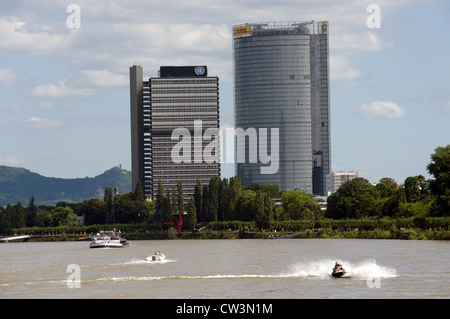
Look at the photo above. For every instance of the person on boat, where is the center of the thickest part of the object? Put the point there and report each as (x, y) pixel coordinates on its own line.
(338, 266)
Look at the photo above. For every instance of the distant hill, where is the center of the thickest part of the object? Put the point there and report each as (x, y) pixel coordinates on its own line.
(19, 184)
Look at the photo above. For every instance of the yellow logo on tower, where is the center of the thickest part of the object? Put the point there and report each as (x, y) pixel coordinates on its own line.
(242, 30)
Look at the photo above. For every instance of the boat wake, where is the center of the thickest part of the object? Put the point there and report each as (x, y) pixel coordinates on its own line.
(317, 269)
(147, 261)
(177, 277)
(320, 269)
(361, 270)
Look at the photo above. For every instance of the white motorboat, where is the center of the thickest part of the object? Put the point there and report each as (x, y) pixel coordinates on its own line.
(158, 256)
(108, 239)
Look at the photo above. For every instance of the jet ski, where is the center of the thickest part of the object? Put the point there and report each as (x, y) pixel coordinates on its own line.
(338, 271)
(158, 256)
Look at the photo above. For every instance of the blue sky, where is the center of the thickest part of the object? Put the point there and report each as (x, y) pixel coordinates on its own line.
(64, 98)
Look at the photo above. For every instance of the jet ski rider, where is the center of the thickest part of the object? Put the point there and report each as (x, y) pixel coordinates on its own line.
(338, 265)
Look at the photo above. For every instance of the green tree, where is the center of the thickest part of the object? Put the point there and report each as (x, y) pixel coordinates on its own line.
(42, 218)
(63, 216)
(198, 198)
(263, 209)
(439, 168)
(166, 212)
(258, 207)
(144, 211)
(108, 199)
(245, 206)
(272, 189)
(7, 216)
(205, 194)
(389, 182)
(224, 199)
(384, 190)
(20, 218)
(139, 192)
(31, 212)
(94, 211)
(370, 204)
(191, 214)
(269, 205)
(401, 194)
(234, 193)
(125, 207)
(345, 202)
(173, 200)
(412, 190)
(128, 209)
(298, 205)
(212, 203)
(180, 198)
(391, 207)
(159, 199)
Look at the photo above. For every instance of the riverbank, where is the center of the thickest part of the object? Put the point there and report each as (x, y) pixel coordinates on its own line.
(407, 234)
(420, 228)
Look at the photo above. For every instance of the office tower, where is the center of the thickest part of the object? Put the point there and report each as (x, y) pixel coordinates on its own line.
(337, 179)
(181, 99)
(281, 75)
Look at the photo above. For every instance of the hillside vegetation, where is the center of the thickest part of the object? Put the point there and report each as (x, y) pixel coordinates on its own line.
(19, 184)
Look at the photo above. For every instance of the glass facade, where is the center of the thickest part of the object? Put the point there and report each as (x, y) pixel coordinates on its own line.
(281, 81)
(171, 102)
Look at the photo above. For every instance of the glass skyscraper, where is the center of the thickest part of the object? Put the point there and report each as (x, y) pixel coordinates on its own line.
(181, 98)
(281, 75)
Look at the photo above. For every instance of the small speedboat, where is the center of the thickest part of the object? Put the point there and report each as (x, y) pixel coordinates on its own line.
(338, 271)
(158, 256)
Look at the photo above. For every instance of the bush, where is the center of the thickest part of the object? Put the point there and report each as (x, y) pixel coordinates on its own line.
(172, 233)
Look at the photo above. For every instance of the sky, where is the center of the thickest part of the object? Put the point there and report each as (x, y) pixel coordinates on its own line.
(64, 81)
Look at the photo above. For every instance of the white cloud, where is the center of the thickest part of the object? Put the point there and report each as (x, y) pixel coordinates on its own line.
(7, 76)
(380, 109)
(443, 108)
(36, 123)
(53, 107)
(104, 79)
(10, 108)
(341, 69)
(354, 43)
(115, 34)
(21, 36)
(61, 90)
(9, 160)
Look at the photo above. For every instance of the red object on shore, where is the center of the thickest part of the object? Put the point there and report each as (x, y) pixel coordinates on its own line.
(179, 224)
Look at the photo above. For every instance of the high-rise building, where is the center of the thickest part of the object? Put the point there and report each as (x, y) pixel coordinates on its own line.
(337, 179)
(281, 75)
(170, 116)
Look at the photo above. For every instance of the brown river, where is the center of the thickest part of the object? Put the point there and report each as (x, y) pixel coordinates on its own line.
(221, 269)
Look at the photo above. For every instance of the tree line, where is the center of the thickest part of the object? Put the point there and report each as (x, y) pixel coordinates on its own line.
(225, 200)
(416, 197)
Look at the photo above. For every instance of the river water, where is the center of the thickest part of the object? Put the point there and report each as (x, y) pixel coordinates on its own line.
(235, 269)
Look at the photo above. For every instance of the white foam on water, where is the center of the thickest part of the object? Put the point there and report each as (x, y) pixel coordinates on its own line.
(360, 270)
(370, 269)
(312, 269)
(136, 261)
(152, 278)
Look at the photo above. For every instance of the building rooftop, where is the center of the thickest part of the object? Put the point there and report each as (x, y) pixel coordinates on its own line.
(289, 27)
